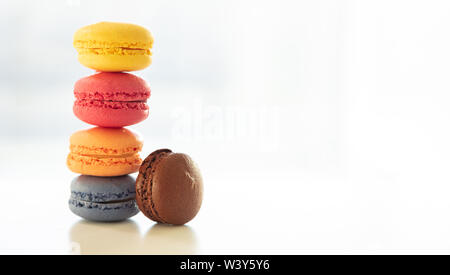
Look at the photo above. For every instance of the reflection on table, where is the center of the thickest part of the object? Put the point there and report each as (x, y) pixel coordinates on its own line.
(125, 238)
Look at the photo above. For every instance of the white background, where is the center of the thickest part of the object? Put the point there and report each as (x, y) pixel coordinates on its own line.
(319, 126)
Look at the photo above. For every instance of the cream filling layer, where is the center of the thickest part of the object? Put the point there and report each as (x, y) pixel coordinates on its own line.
(114, 51)
(104, 152)
(109, 44)
(133, 159)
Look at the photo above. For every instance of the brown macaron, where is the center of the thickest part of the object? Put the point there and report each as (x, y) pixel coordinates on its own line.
(169, 187)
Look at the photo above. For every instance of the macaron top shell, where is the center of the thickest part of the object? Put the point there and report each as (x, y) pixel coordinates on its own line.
(178, 189)
(105, 142)
(169, 187)
(110, 86)
(113, 35)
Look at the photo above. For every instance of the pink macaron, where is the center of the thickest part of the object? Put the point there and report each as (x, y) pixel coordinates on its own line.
(111, 99)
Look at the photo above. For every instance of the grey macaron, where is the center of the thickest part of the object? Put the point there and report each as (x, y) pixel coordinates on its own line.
(104, 199)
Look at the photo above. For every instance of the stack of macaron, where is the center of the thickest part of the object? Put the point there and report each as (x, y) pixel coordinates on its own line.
(169, 186)
(110, 99)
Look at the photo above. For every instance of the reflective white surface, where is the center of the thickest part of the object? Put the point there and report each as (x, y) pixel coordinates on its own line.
(319, 126)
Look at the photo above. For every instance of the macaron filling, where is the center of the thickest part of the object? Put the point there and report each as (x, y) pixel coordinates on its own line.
(103, 160)
(128, 105)
(141, 95)
(93, 44)
(104, 151)
(114, 51)
(128, 195)
(113, 48)
(112, 205)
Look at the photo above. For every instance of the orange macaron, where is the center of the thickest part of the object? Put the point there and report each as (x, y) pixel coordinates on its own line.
(104, 152)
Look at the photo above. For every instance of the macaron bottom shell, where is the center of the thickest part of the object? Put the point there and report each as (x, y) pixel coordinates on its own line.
(103, 166)
(114, 63)
(104, 212)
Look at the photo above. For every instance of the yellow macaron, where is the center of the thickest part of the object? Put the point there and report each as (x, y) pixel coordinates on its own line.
(114, 47)
(104, 152)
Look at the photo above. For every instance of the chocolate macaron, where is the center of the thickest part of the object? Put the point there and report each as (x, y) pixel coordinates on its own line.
(169, 187)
